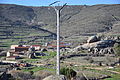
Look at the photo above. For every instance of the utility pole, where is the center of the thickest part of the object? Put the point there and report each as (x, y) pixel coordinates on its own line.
(58, 35)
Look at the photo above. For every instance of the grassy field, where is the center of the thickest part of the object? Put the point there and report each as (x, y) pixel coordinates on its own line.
(114, 77)
(35, 69)
(49, 55)
(42, 60)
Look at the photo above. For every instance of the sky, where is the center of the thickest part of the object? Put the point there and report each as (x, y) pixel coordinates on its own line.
(69, 2)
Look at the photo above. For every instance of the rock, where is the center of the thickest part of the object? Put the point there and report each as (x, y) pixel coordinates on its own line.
(78, 48)
(95, 50)
(116, 38)
(92, 39)
(55, 77)
(86, 46)
(3, 53)
(99, 44)
(31, 56)
(43, 50)
(102, 51)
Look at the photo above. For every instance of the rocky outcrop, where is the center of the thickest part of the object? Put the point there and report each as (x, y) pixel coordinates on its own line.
(102, 51)
(99, 44)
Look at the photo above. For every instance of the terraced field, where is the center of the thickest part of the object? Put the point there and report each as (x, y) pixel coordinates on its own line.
(23, 35)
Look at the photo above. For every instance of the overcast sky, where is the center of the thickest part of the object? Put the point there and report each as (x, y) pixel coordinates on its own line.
(69, 2)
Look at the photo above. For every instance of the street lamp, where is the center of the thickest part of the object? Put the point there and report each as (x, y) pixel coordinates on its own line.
(58, 34)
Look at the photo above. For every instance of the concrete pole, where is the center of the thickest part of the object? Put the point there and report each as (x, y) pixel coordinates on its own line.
(58, 43)
(58, 35)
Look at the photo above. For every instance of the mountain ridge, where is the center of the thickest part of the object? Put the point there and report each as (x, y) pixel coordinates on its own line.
(74, 19)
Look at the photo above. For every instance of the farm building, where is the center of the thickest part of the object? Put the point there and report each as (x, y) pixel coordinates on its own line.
(37, 47)
(20, 49)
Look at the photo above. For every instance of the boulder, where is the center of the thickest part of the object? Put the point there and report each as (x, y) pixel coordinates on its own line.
(86, 46)
(92, 39)
(55, 77)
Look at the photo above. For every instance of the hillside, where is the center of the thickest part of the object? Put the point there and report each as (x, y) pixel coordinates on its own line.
(97, 18)
(33, 23)
(76, 20)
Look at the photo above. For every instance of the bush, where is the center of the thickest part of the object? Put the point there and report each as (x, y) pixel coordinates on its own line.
(117, 48)
(68, 72)
(31, 72)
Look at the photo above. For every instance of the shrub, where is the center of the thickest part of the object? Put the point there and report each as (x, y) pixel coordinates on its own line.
(68, 72)
(31, 72)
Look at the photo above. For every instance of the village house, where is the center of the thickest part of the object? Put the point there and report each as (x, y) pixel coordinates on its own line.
(24, 50)
(21, 49)
(16, 50)
(13, 47)
(37, 47)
